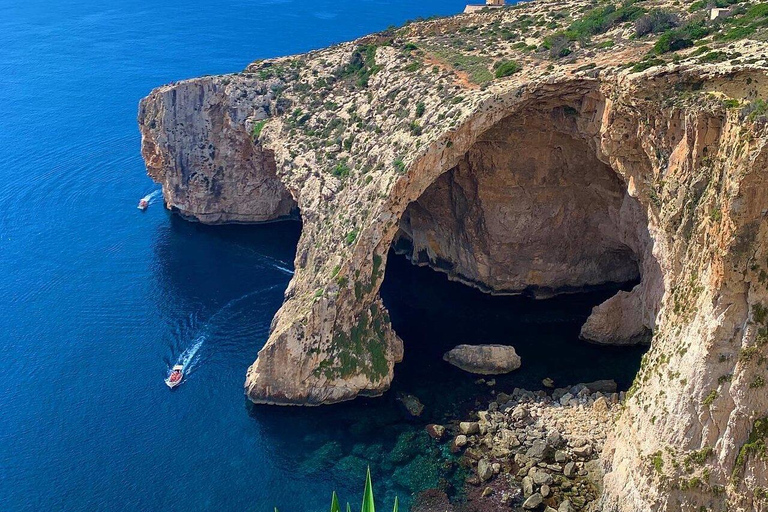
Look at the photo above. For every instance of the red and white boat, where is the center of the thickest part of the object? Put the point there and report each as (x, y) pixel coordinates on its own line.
(143, 204)
(174, 378)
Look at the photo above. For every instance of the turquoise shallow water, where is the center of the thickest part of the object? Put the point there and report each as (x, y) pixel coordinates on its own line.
(99, 299)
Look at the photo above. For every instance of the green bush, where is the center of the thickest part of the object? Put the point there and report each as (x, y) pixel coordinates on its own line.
(341, 170)
(680, 38)
(602, 19)
(506, 68)
(362, 65)
(712, 57)
(755, 110)
(399, 165)
(645, 64)
(558, 45)
(656, 21)
(420, 108)
(257, 129)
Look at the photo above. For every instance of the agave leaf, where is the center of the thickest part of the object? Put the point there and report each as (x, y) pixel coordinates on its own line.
(368, 505)
(349, 509)
(335, 503)
(395, 504)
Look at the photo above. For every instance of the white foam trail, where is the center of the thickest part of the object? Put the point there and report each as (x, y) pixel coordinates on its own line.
(151, 198)
(190, 358)
(284, 270)
(187, 358)
(272, 262)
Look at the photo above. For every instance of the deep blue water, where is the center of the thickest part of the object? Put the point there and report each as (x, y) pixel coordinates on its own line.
(97, 299)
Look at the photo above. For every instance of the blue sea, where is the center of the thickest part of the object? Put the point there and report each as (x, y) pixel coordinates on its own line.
(99, 299)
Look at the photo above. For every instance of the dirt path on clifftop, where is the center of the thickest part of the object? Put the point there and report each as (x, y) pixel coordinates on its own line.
(462, 78)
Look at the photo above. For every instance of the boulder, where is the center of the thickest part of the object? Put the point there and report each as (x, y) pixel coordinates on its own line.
(435, 431)
(539, 450)
(484, 470)
(533, 502)
(458, 443)
(600, 405)
(527, 486)
(570, 470)
(539, 476)
(583, 451)
(469, 427)
(520, 413)
(602, 386)
(484, 359)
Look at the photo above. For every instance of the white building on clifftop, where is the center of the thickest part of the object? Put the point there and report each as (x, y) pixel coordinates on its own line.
(489, 4)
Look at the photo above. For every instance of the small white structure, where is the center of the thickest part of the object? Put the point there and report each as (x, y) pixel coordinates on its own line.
(717, 12)
(489, 4)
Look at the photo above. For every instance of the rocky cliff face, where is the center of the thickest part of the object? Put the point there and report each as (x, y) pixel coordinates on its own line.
(582, 168)
(196, 144)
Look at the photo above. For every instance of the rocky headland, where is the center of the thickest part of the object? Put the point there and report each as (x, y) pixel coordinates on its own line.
(545, 148)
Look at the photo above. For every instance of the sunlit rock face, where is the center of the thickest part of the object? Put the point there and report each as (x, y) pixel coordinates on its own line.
(196, 144)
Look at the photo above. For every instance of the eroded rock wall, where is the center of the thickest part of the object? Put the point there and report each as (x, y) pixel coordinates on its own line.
(196, 143)
(529, 208)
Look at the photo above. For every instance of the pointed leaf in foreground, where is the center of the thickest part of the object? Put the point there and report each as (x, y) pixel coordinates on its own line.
(368, 494)
(335, 503)
(395, 504)
(349, 509)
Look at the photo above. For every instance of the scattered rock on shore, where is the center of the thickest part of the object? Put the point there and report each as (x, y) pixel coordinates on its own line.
(544, 446)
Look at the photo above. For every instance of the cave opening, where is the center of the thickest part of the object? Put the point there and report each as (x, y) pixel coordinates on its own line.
(515, 245)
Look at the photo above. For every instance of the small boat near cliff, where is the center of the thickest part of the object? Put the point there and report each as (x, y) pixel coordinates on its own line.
(175, 377)
(143, 204)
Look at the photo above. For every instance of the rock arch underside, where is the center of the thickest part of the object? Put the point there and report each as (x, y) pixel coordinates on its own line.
(542, 183)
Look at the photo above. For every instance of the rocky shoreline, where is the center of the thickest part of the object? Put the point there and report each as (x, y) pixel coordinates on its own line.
(532, 450)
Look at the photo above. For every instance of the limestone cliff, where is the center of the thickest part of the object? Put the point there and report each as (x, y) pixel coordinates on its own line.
(541, 148)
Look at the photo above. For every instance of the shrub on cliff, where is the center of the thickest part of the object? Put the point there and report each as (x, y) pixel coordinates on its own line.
(680, 38)
(558, 45)
(506, 68)
(602, 19)
(362, 65)
(655, 22)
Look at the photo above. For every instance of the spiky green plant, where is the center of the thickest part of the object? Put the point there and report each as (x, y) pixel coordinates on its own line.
(368, 503)
(335, 503)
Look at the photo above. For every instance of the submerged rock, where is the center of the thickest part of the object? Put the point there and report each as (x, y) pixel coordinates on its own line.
(484, 359)
(411, 403)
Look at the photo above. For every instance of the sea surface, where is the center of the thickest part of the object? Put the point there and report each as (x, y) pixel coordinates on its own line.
(99, 299)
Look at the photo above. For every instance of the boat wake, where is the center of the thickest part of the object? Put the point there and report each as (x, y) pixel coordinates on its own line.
(268, 260)
(152, 197)
(192, 356)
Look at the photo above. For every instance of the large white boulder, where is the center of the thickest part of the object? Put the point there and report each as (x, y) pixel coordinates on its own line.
(484, 359)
